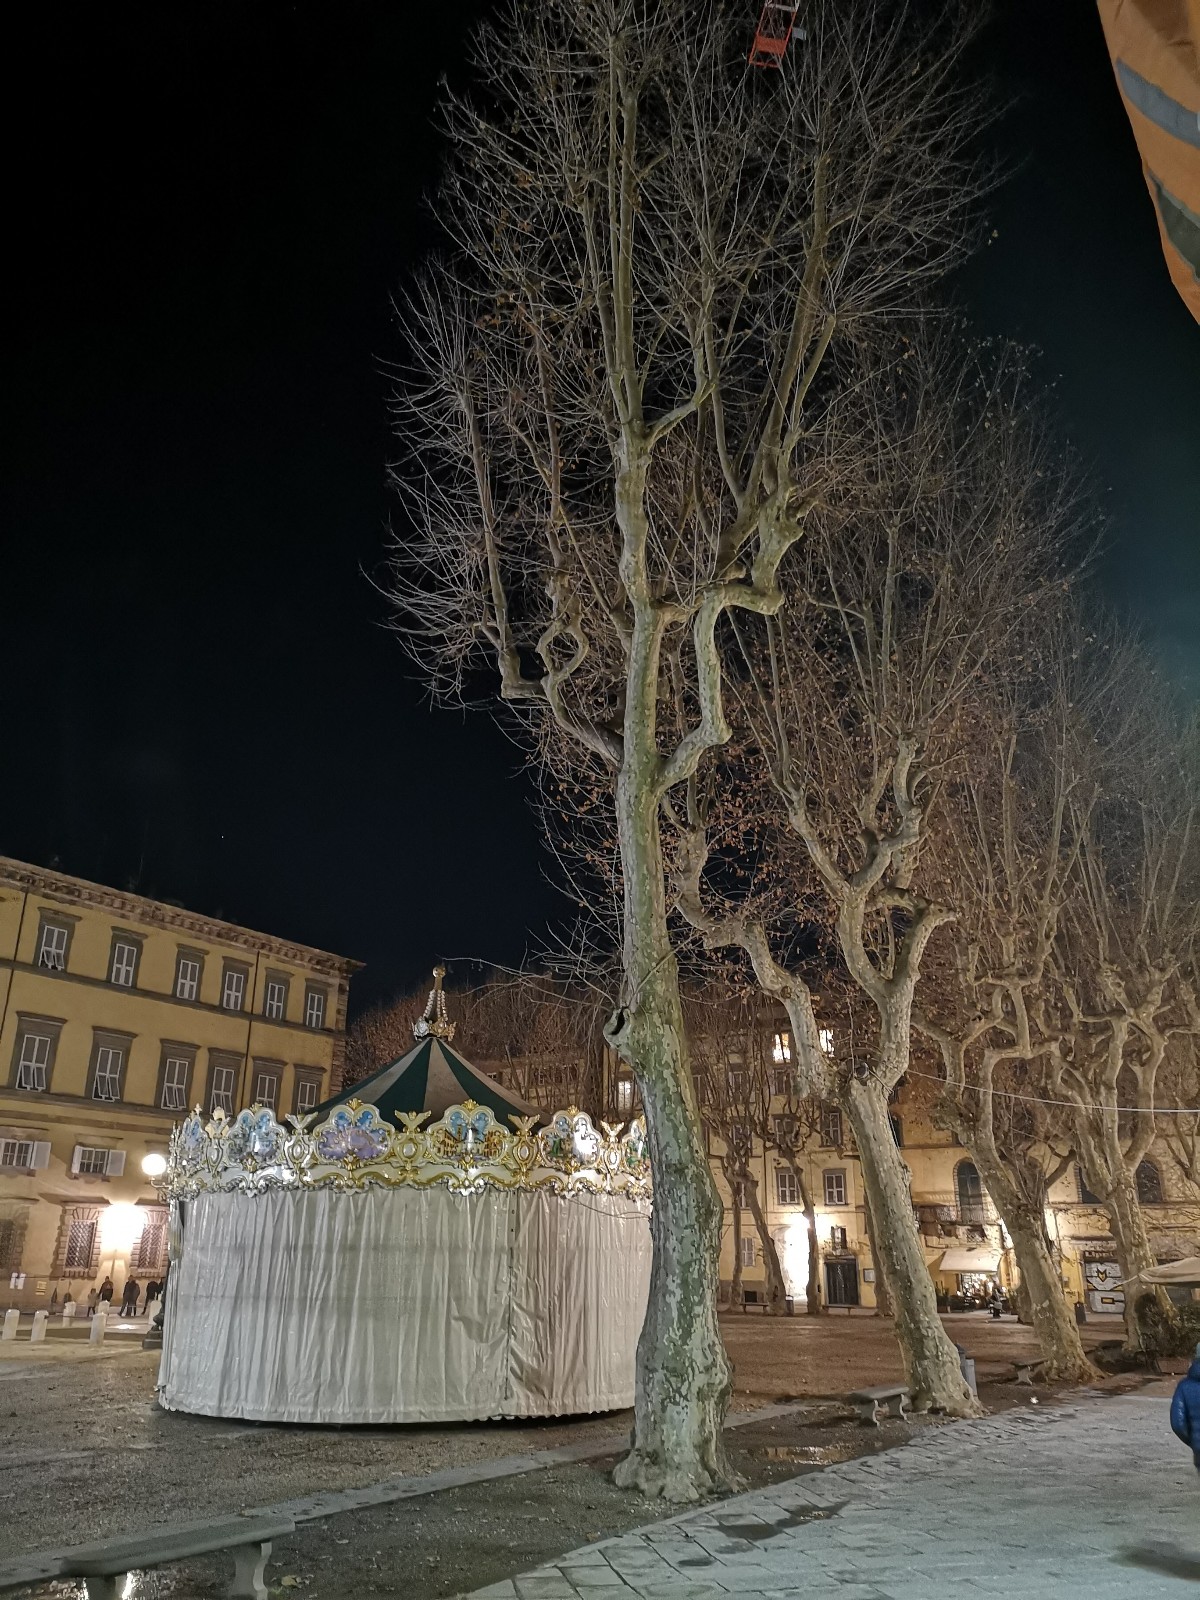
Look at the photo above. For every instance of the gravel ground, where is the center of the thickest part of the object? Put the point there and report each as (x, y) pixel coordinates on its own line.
(85, 1453)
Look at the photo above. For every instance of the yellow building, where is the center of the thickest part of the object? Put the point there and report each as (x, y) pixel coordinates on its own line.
(966, 1247)
(117, 1014)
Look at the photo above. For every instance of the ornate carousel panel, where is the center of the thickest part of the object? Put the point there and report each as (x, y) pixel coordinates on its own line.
(352, 1272)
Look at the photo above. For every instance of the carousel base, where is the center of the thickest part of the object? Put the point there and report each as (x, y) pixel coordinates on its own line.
(402, 1305)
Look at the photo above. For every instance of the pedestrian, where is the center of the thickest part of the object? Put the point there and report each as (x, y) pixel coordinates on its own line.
(1185, 1410)
(153, 1290)
(129, 1297)
(93, 1300)
(106, 1293)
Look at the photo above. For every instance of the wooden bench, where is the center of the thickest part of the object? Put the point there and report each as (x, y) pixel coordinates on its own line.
(106, 1565)
(885, 1399)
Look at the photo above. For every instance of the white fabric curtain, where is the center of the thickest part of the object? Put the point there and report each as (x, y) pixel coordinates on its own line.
(405, 1305)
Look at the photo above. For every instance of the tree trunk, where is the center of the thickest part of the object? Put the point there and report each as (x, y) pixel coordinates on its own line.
(737, 1294)
(812, 1289)
(930, 1359)
(1133, 1251)
(883, 1298)
(776, 1288)
(684, 1379)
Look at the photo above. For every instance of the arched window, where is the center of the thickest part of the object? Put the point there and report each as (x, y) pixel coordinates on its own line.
(969, 1187)
(1149, 1184)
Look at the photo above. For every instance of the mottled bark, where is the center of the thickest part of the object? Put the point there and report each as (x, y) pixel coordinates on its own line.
(930, 1359)
(776, 1288)
(684, 1379)
(814, 1305)
(883, 1297)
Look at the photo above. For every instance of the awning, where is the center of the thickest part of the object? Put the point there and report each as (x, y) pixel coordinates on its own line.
(1184, 1273)
(983, 1259)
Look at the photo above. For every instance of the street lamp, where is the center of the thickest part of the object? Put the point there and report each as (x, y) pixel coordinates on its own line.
(154, 1165)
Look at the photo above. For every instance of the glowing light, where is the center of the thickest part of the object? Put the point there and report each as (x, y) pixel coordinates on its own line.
(825, 1039)
(121, 1225)
(782, 1049)
(154, 1165)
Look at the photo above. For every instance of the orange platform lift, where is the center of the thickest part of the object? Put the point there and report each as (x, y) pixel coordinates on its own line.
(775, 29)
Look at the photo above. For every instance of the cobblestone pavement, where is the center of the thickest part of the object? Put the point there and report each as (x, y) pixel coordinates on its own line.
(1092, 1500)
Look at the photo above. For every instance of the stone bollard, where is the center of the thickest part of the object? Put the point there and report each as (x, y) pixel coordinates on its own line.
(11, 1319)
(38, 1332)
(98, 1324)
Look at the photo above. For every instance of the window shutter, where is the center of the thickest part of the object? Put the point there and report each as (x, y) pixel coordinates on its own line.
(116, 1163)
(76, 1157)
(41, 1153)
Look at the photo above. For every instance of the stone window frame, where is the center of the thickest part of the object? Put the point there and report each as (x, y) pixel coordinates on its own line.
(305, 1075)
(70, 1215)
(32, 1022)
(14, 1215)
(1159, 1197)
(314, 991)
(242, 969)
(175, 1050)
(272, 979)
(831, 1118)
(188, 952)
(747, 1244)
(785, 1178)
(266, 1067)
(220, 1061)
(838, 1174)
(108, 1039)
(156, 1217)
(65, 922)
(136, 941)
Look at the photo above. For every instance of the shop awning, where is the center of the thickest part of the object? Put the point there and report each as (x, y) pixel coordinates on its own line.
(983, 1259)
(1183, 1273)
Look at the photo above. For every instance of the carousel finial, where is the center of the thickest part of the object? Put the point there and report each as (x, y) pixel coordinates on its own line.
(434, 1021)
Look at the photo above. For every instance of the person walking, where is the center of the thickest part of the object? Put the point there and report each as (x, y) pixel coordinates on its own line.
(1185, 1410)
(106, 1293)
(129, 1297)
(153, 1290)
(93, 1300)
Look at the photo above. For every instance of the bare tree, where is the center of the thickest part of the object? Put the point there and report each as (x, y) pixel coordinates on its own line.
(1179, 1110)
(857, 701)
(656, 255)
(726, 1032)
(1006, 852)
(1125, 956)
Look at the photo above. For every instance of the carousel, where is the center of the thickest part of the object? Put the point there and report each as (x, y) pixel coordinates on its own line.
(400, 1255)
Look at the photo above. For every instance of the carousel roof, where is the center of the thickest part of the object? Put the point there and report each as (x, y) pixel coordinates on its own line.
(431, 1077)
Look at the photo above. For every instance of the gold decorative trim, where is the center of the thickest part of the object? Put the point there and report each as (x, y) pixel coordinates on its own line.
(354, 1148)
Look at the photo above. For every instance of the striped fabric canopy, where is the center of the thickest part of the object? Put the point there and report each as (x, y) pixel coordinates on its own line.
(431, 1077)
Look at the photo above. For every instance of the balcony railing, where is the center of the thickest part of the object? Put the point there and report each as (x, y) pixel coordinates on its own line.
(954, 1210)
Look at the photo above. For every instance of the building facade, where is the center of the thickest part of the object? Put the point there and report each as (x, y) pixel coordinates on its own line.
(117, 1015)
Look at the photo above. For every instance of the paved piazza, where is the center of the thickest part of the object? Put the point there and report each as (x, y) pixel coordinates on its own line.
(1093, 1500)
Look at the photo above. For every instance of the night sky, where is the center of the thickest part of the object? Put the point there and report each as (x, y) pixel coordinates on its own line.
(209, 208)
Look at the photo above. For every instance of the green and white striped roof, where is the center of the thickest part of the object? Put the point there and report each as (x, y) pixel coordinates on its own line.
(431, 1077)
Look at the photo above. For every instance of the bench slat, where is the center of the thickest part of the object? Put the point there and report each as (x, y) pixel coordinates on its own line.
(173, 1543)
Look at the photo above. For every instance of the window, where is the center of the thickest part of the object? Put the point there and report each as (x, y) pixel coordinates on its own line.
(233, 988)
(897, 1130)
(123, 963)
(784, 1128)
(25, 1155)
(781, 1047)
(968, 1186)
(89, 1161)
(700, 1087)
(222, 1081)
(188, 967)
(837, 1240)
(275, 998)
(12, 1237)
(831, 1127)
(175, 1083)
(152, 1246)
(33, 1060)
(737, 1081)
(825, 1040)
(81, 1245)
(835, 1186)
(1149, 1184)
(106, 1074)
(787, 1189)
(747, 1251)
(1086, 1197)
(314, 1007)
(307, 1090)
(624, 1094)
(53, 941)
(266, 1088)
(781, 1081)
